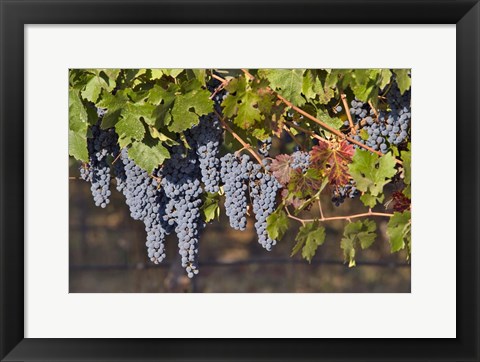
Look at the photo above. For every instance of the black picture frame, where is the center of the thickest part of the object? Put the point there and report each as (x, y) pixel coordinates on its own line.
(15, 14)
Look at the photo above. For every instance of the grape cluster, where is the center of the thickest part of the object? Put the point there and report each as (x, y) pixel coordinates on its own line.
(234, 173)
(359, 111)
(146, 202)
(263, 189)
(180, 177)
(391, 127)
(206, 138)
(398, 119)
(300, 160)
(241, 176)
(340, 193)
(100, 145)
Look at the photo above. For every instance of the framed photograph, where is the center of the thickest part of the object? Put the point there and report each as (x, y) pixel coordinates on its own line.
(239, 181)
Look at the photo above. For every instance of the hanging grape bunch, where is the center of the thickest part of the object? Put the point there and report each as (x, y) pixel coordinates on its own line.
(175, 141)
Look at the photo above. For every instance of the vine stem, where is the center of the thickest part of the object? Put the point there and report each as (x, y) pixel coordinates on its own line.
(310, 133)
(116, 158)
(218, 78)
(218, 89)
(320, 209)
(302, 221)
(239, 139)
(346, 217)
(322, 124)
(373, 108)
(347, 111)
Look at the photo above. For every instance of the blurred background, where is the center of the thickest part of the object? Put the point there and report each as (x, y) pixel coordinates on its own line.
(108, 255)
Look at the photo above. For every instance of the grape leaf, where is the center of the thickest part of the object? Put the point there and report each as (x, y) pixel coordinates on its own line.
(310, 84)
(334, 122)
(385, 77)
(281, 169)
(371, 173)
(163, 99)
(364, 83)
(114, 104)
(188, 107)
(210, 207)
(148, 157)
(357, 233)
(310, 236)
(303, 184)
(333, 160)
(98, 80)
(407, 172)
(277, 224)
(287, 82)
(314, 84)
(200, 74)
(398, 230)
(143, 111)
(370, 200)
(171, 72)
(77, 145)
(241, 103)
(248, 113)
(77, 115)
(129, 128)
(158, 95)
(403, 79)
(290, 199)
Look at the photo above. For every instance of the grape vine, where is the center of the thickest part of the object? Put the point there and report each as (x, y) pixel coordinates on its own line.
(268, 144)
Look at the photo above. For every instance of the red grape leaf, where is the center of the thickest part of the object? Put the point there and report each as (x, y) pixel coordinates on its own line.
(290, 199)
(333, 160)
(281, 168)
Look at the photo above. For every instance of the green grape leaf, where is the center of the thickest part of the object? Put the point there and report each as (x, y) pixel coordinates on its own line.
(242, 103)
(169, 72)
(200, 74)
(277, 224)
(146, 156)
(403, 79)
(114, 105)
(211, 207)
(372, 172)
(188, 107)
(363, 83)
(303, 184)
(248, 114)
(129, 128)
(77, 114)
(172, 72)
(407, 172)
(399, 230)
(287, 82)
(77, 145)
(385, 77)
(370, 200)
(333, 160)
(158, 95)
(357, 233)
(310, 84)
(314, 84)
(310, 236)
(98, 80)
(334, 122)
